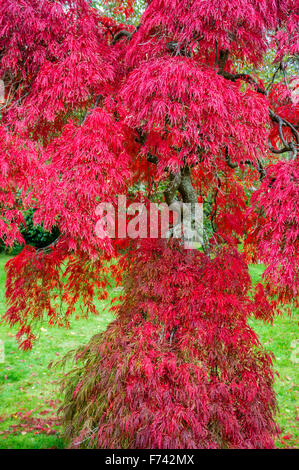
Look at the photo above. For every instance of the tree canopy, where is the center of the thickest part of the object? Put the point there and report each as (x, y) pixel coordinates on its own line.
(102, 96)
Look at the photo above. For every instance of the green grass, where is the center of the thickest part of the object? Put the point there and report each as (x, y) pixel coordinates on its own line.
(27, 384)
(282, 339)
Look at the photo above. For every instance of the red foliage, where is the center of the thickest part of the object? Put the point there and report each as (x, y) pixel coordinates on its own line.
(57, 53)
(19, 169)
(273, 230)
(287, 38)
(33, 424)
(88, 111)
(34, 421)
(180, 367)
(177, 128)
(37, 287)
(238, 26)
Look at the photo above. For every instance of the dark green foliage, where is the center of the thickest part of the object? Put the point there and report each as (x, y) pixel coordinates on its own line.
(34, 235)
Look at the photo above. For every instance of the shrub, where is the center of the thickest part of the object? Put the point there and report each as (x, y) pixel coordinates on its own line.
(33, 235)
(180, 367)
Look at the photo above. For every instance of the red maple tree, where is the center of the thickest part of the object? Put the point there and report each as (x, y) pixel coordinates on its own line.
(92, 107)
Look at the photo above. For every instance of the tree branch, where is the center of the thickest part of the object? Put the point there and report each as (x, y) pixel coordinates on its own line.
(120, 35)
(287, 146)
(242, 76)
(91, 109)
(258, 164)
(152, 158)
(228, 160)
(178, 48)
(281, 121)
(223, 55)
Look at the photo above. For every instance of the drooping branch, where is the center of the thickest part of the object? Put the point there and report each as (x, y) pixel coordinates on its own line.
(283, 122)
(273, 76)
(261, 169)
(294, 150)
(120, 35)
(258, 164)
(278, 151)
(152, 158)
(48, 248)
(108, 28)
(242, 76)
(221, 60)
(179, 49)
(287, 146)
(91, 109)
(228, 160)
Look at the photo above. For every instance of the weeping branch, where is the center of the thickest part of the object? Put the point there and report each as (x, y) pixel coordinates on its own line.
(258, 164)
(278, 151)
(228, 160)
(283, 122)
(108, 28)
(273, 76)
(121, 34)
(48, 248)
(179, 49)
(242, 76)
(287, 146)
(89, 111)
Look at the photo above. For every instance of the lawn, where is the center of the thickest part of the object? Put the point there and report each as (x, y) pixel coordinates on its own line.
(28, 386)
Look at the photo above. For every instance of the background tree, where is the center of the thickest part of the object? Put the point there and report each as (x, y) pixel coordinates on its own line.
(91, 107)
